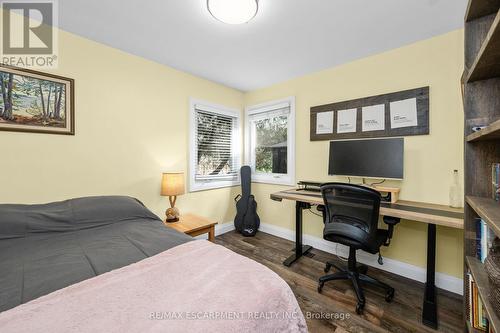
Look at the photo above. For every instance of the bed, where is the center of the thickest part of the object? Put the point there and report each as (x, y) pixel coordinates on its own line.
(109, 264)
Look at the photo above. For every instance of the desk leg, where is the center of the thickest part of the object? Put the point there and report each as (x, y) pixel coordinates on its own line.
(429, 313)
(300, 249)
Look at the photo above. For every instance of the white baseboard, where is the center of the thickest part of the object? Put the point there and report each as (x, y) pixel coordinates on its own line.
(219, 230)
(443, 281)
(223, 228)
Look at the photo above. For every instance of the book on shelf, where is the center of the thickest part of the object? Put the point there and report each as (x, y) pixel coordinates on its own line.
(495, 181)
(484, 239)
(476, 315)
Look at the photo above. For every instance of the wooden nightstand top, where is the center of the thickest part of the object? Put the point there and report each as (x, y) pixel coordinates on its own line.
(190, 223)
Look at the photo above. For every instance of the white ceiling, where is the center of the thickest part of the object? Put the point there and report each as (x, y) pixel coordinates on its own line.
(286, 39)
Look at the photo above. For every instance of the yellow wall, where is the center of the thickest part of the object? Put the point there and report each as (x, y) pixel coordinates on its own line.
(429, 159)
(131, 125)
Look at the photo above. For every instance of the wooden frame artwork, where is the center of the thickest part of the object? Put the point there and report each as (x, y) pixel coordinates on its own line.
(32, 101)
(420, 97)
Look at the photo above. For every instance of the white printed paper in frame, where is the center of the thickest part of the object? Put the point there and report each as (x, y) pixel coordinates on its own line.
(346, 121)
(404, 113)
(373, 118)
(324, 122)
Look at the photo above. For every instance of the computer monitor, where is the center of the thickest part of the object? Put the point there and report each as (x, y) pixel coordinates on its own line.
(375, 158)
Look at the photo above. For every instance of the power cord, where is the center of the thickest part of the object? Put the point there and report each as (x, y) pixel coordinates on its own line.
(378, 183)
(320, 215)
(349, 179)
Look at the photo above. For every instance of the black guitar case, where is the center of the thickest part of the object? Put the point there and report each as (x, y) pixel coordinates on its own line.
(247, 221)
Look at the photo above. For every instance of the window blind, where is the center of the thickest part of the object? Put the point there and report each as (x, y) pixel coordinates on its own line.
(214, 153)
(277, 111)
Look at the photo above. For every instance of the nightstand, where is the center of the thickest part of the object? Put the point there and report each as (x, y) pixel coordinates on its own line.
(194, 225)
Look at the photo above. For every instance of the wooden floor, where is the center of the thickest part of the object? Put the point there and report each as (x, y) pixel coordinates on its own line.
(402, 315)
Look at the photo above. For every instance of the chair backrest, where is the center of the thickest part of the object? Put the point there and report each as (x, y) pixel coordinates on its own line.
(353, 205)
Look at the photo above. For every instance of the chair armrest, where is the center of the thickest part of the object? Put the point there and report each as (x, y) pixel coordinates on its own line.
(391, 222)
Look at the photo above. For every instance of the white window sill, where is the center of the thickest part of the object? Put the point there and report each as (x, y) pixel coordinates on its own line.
(202, 186)
(273, 181)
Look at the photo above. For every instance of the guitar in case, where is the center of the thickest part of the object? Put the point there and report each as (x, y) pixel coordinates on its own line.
(247, 221)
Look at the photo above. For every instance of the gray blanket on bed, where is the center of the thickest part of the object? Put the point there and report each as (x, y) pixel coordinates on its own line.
(47, 247)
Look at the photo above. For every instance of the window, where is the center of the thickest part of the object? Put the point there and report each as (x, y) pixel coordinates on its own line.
(215, 146)
(270, 141)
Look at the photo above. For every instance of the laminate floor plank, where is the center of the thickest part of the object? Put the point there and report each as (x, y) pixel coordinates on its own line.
(334, 309)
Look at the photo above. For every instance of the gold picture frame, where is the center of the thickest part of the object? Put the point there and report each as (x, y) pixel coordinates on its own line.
(32, 101)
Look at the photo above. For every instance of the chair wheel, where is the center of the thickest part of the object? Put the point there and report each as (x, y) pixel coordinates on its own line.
(327, 268)
(320, 287)
(359, 308)
(389, 296)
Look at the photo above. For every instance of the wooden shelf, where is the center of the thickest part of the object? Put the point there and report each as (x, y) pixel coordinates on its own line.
(483, 287)
(491, 132)
(487, 62)
(488, 209)
(479, 8)
(479, 83)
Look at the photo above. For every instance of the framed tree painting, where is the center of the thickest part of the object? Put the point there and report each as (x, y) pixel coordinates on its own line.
(38, 102)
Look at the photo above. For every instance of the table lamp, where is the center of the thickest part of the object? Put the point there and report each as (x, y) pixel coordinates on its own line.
(172, 185)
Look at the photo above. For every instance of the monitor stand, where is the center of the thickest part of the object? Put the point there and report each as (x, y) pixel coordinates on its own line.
(389, 194)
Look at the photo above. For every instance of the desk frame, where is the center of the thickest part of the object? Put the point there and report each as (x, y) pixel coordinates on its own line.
(426, 213)
(300, 249)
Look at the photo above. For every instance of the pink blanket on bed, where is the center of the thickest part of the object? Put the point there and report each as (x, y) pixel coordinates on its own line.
(194, 287)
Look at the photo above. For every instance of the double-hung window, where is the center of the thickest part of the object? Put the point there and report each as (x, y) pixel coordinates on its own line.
(270, 141)
(215, 146)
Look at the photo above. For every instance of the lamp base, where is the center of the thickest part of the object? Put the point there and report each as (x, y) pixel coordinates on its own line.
(172, 214)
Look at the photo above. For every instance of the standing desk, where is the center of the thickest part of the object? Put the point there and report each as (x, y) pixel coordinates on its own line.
(431, 214)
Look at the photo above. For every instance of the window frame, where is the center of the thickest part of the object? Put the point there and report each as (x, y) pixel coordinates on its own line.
(198, 185)
(272, 178)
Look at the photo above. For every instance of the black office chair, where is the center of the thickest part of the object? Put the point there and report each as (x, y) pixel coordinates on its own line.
(351, 214)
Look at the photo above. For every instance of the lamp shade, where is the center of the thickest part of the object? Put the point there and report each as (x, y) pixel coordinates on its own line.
(172, 184)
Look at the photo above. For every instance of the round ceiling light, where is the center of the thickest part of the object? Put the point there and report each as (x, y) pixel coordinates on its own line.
(233, 11)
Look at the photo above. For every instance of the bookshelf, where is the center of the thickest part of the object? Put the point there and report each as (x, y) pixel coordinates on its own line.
(477, 9)
(477, 271)
(485, 65)
(490, 132)
(481, 98)
(487, 209)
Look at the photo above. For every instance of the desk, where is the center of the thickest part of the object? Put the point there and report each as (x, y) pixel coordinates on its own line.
(409, 210)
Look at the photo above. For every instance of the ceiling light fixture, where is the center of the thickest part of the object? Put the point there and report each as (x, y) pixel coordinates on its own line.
(233, 11)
